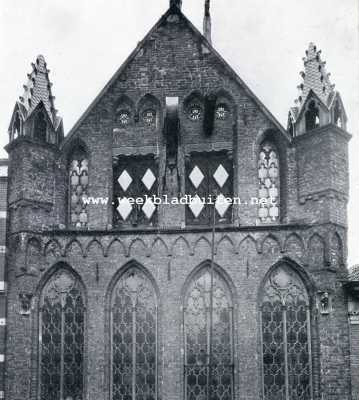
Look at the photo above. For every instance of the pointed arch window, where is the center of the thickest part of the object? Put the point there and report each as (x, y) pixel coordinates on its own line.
(133, 338)
(286, 338)
(78, 188)
(205, 373)
(16, 127)
(269, 183)
(40, 127)
(338, 115)
(312, 117)
(61, 338)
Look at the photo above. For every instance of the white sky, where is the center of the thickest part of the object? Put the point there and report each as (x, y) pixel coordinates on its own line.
(84, 42)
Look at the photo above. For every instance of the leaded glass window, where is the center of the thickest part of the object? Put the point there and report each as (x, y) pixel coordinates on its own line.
(205, 373)
(61, 338)
(269, 183)
(134, 338)
(78, 189)
(286, 347)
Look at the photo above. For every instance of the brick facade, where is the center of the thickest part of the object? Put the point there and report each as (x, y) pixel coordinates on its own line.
(175, 60)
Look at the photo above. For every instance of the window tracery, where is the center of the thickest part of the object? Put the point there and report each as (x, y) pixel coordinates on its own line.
(269, 183)
(205, 371)
(78, 189)
(61, 338)
(286, 347)
(134, 338)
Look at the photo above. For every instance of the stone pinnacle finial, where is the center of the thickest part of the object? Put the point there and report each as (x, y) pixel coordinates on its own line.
(207, 23)
(176, 3)
(206, 8)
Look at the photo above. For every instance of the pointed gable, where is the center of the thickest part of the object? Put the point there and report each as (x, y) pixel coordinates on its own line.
(315, 91)
(174, 13)
(38, 90)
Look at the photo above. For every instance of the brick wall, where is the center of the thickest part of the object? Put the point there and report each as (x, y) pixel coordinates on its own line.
(175, 61)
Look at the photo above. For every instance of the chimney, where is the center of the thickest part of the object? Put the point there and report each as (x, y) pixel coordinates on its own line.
(176, 3)
(207, 24)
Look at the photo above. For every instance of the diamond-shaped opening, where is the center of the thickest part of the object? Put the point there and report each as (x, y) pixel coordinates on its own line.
(125, 180)
(148, 179)
(221, 176)
(196, 205)
(124, 208)
(222, 205)
(149, 208)
(196, 177)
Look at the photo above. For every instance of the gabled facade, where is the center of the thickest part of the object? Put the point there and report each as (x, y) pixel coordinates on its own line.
(111, 299)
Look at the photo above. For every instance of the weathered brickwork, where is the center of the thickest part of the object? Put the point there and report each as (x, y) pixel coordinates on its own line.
(174, 60)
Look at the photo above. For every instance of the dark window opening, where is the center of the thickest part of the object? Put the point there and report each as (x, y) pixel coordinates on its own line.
(40, 127)
(17, 127)
(338, 115)
(312, 117)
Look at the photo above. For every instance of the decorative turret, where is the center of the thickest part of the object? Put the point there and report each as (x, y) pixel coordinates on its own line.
(318, 126)
(35, 115)
(35, 134)
(318, 103)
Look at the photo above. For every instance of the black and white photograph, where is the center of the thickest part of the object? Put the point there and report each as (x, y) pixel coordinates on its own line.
(178, 200)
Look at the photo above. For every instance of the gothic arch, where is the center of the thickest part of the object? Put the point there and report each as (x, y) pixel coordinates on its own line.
(183, 240)
(225, 240)
(78, 166)
(271, 151)
(61, 303)
(316, 251)
(271, 241)
(97, 244)
(149, 110)
(113, 244)
(286, 324)
(202, 239)
(312, 115)
(225, 97)
(248, 241)
(219, 270)
(73, 244)
(294, 240)
(194, 100)
(124, 110)
(33, 256)
(161, 244)
(200, 365)
(140, 242)
(133, 294)
(336, 247)
(52, 246)
(40, 124)
(16, 126)
(294, 266)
